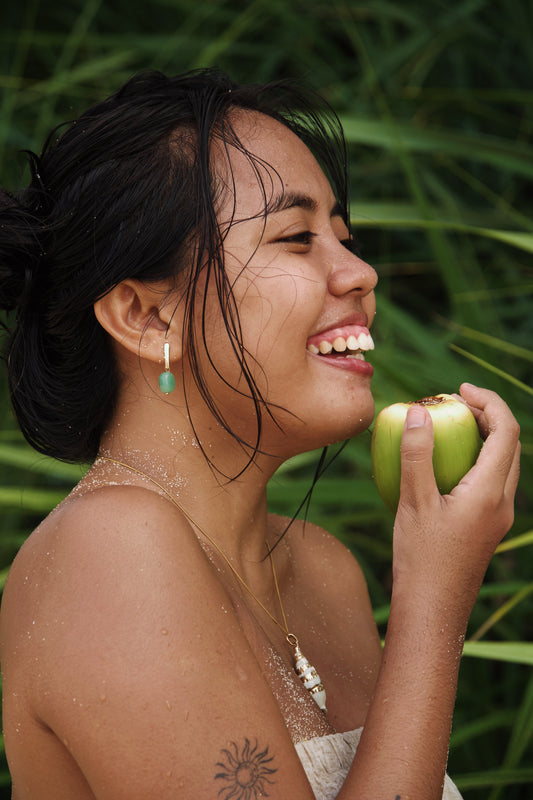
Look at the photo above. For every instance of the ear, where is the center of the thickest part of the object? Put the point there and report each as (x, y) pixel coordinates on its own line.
(141, 317)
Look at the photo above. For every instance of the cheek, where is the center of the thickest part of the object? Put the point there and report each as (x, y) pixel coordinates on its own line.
(276, 307)
(259, 324)
(272, 307)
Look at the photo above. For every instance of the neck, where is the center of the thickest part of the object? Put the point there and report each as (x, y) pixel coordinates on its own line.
(179, 469)
(158, 441)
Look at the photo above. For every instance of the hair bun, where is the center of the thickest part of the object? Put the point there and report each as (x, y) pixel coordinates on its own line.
(20, 251)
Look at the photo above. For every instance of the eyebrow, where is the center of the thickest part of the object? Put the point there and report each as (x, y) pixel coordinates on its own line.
(287, 200)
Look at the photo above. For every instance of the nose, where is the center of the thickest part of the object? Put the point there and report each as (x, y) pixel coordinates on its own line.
(350, 274)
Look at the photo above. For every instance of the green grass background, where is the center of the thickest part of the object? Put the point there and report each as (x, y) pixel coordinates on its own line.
(437, 102)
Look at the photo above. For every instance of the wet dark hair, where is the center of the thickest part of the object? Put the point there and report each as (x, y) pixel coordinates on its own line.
(128, 191)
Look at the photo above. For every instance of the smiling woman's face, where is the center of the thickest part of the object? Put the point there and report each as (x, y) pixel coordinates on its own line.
(305, 301)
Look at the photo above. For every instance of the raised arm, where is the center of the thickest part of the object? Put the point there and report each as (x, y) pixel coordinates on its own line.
(442, 547)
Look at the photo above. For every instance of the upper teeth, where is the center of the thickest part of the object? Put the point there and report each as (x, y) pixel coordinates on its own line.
(361, 342)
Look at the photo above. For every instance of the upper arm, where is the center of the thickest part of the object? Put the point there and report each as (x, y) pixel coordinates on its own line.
(138, 664)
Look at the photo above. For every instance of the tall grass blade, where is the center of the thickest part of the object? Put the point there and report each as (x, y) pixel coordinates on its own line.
(515, 652)
(523, 540)
(492, 368)
(500, 613)
(521, 738)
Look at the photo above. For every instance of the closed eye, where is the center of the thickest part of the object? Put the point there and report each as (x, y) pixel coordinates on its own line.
(303, 238)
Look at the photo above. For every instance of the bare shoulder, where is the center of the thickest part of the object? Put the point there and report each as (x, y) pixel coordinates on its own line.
(327, 574)
(98, 563)
(323, 556)
(119, 642)
(113, 529)
(113, 540)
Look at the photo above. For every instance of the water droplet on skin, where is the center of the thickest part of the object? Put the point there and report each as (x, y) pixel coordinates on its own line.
(164, 632)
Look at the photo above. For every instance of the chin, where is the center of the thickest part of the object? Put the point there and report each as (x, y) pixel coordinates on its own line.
(340, 426)
(354, 426)
(357, 421)
(353, 416)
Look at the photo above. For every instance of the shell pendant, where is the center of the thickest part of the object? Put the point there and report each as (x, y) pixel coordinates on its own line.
(308, 674)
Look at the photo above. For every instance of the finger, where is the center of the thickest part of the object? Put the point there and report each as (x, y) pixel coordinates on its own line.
(477, 412)
(476, 398)
(501, 429)
(417, 479)
(514, 474)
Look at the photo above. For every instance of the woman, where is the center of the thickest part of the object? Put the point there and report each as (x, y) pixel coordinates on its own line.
(182, 265)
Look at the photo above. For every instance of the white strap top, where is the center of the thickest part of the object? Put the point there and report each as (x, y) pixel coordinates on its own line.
(327, 759)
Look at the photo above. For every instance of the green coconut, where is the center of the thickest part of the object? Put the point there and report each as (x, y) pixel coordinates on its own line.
(456, 444)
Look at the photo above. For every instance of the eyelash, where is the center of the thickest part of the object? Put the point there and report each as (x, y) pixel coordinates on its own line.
(306, 237)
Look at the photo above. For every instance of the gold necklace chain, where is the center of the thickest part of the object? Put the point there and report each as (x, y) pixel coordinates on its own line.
(305, 671)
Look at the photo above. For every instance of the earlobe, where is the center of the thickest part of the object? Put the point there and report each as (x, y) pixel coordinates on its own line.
(140, 318)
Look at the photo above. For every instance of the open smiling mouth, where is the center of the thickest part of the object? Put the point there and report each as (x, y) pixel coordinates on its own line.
(351, 342)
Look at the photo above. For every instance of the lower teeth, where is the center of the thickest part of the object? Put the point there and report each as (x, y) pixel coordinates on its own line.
(345, 354)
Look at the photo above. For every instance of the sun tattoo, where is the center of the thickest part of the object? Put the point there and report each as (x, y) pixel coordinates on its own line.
(246, 772)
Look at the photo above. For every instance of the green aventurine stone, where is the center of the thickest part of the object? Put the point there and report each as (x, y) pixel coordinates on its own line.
(167, 382)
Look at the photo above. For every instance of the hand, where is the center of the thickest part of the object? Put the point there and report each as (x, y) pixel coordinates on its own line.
(443, 544)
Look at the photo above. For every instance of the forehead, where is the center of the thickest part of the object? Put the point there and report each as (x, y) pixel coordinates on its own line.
(273, 161)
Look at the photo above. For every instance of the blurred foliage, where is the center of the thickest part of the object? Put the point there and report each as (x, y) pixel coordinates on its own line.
(437, 103)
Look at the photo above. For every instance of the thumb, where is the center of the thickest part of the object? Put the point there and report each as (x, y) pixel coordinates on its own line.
(417, 478)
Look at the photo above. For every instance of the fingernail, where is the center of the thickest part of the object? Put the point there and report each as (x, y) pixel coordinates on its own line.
(416, 417)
